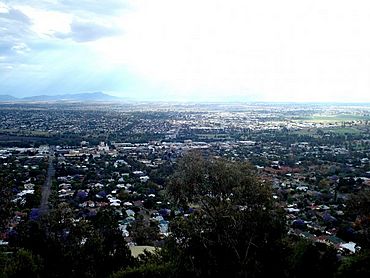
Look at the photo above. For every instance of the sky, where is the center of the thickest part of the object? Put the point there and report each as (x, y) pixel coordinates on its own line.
(188, 50)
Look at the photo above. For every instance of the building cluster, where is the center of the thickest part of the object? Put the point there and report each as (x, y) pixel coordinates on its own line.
(122, 159)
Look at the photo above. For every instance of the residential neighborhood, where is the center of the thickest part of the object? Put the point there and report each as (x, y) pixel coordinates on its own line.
(121, 162)
(313, 166)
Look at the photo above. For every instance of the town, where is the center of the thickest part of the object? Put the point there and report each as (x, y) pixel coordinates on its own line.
(90, 157)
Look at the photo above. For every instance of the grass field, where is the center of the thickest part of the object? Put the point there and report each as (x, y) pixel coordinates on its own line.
(335, 118)
(337, 130)
(344, 130)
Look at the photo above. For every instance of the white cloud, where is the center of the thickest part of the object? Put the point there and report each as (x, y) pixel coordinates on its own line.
(46, 23)
(20, 48)
(84, 31)
(288, 50)
(3, 8)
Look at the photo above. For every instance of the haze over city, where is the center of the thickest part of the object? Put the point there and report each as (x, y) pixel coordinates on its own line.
(187, 50)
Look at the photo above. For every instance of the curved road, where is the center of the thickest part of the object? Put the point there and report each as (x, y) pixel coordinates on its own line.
(46, 188)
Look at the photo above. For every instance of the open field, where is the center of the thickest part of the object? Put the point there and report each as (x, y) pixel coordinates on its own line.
(335, 118)
(339, 130)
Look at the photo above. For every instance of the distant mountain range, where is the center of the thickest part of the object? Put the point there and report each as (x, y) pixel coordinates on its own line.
(97, 96)
(7, 98)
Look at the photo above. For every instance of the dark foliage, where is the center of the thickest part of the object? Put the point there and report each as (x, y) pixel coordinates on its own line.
(235, 229)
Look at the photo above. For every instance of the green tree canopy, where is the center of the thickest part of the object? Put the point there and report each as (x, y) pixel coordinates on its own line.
(235, 229)
(358, 209)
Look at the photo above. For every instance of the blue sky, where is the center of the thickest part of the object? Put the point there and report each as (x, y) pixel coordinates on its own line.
(188, 50)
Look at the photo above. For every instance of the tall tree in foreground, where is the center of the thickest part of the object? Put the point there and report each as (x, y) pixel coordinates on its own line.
(69, 248)
(235, 229)
(358, 210)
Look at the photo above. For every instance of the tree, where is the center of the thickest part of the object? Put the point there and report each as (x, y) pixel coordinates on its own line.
(355, 266)
(358, 209)
(23, 264)
(308, 259)
(149, 265)
(74, 249)
(143, 234)
(6, 208)
(235, 229)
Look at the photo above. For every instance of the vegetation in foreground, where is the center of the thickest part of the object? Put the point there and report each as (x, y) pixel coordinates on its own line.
(234, 228)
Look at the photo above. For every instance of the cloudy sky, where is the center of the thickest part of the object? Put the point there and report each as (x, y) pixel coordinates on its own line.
(205, 50)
